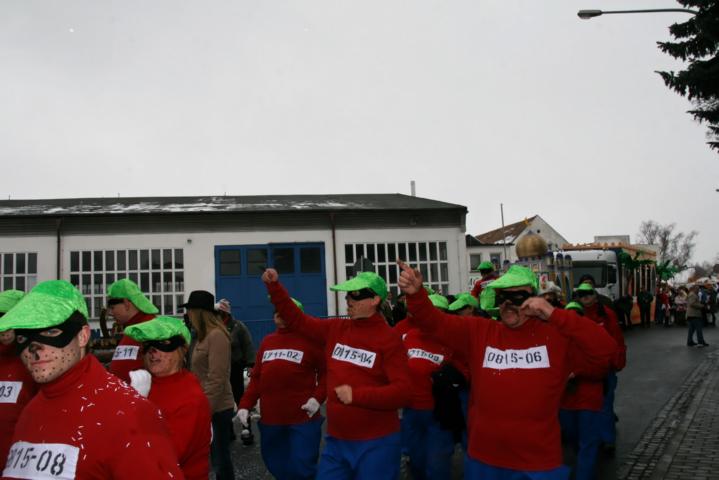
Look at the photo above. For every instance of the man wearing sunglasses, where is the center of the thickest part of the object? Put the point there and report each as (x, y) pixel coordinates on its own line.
(367, 378)
(84, 422)
(519, 367)
(486, 269)
(128, 306)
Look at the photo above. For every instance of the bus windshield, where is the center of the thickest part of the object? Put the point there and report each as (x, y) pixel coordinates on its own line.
(598, 270)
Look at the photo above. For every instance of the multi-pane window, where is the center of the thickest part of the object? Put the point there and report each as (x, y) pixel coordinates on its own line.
(159, 272)
(18, 271)
(474, 260)
(429, 257)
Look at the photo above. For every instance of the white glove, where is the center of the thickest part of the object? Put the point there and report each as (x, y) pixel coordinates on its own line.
(141, 380)
(243, 414)
(311, 406)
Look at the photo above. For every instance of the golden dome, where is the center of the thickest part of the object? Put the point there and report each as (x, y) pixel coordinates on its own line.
(531, 245)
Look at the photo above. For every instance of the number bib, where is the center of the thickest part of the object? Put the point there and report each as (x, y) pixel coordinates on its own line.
(356, 356)
(535, 357)
(435, 358)
(290, 355)
(126, 352)
(41, 461)
(9, 391)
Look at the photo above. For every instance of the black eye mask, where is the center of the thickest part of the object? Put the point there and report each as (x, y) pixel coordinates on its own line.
(169, 345)
(361, 294)
(516, 298)
(70, 328)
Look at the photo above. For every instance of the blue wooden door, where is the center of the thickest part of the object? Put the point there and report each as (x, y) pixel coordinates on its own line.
(238, 269)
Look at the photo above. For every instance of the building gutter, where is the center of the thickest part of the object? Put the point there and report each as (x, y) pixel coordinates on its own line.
(334, 259)
(58, 233)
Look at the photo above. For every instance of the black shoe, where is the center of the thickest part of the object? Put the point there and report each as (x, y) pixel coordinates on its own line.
(691, 344)
(609, 449)
(702, 345)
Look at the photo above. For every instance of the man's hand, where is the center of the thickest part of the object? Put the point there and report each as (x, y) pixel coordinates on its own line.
(270, 275)
(311, 406)
(410, 279)
(242, 415)
(537, 307)
(141, 380)
(344, 393)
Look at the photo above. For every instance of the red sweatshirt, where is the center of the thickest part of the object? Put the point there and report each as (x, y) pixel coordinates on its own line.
(127, 355)
(16, 389)
(424, 356)
(518, 376)
(186, 411)
(483, 282)
(402, 327)
(365, 354)
(588, 393)
(289, 369)
(89, 425)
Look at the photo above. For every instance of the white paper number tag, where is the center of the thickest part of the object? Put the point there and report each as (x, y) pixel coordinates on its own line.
(435, 358)
(356, 356)
(283, 354)
(9, 391)
(535, 357)
(126, 352)
(41, 461)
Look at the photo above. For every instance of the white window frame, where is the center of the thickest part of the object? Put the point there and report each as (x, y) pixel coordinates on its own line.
(10, 278)
(437, 278)
(165, 295)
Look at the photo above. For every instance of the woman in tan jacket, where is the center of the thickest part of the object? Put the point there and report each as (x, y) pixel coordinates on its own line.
(211, 364)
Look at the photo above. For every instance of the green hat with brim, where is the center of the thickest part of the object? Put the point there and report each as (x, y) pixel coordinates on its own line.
(9, 298)
(363, 280)
(575, 306)
(463, 300)
(486, 265)
(126, 288)
(159, 328)
(49, 304)
(585, 287)
(516, 276)
(439, 301)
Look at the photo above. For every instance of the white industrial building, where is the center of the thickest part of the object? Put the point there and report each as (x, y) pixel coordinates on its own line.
(173, 245)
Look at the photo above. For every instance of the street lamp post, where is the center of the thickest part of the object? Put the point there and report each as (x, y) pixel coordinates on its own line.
(587, 14)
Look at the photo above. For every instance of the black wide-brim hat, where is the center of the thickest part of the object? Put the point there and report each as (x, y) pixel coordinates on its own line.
(200, 299)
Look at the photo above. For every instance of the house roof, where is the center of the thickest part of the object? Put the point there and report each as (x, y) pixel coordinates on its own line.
(218, 204)
(509, 233)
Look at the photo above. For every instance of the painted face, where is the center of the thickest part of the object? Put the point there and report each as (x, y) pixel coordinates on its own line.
(360, 305)
(7, 337)
(162, 364)
(46, 363)
(587, 299)
(509, 313)
(121, 310)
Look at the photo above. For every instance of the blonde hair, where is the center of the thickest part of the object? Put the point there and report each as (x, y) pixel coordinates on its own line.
(204, 321)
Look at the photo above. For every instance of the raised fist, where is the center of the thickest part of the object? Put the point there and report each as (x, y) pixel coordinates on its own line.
(270, 275)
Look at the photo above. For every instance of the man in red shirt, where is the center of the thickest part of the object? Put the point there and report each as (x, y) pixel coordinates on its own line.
(519, 367)
(128, 306)
(367, 378)
(289, 381)
(16, 385)
(84, 422)
(488, 276)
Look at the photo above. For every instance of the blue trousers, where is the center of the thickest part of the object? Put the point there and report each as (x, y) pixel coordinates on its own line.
(430, 447)
(581, 428)
(290, 452)
(607, 428)
(695, 325)
(476, 470)
(376, 459)
(220, 447)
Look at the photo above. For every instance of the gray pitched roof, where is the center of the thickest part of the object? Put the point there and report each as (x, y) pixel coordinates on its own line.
(218, 204)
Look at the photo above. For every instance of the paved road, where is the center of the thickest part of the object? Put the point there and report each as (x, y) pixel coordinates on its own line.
(664, 402)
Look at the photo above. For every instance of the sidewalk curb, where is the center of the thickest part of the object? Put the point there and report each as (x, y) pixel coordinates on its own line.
(654, 453)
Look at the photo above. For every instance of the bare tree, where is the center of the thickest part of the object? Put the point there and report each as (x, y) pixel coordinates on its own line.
(675, 247)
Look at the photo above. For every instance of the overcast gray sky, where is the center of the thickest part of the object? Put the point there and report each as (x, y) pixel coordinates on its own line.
(479, 101)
